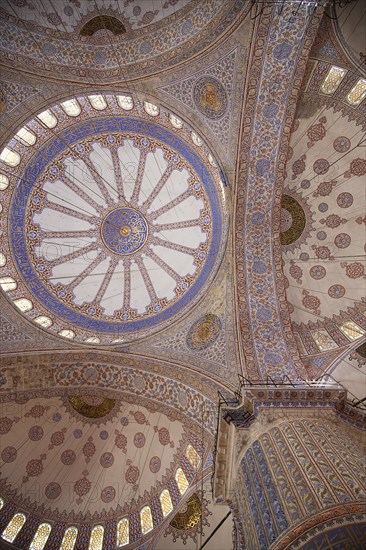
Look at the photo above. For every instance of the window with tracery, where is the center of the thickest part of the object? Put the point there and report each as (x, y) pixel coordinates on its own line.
(26, 137)
(8, 284)
(175, 121)
(48, 119)
(4, 182)
(9, 157)
(323, 340)
(125, 101)
(71, 107)
(196, 139)
(96, 538)
(146, 520)
(193, 456)
(123, 535)
(67, 333)
(333, 80)
(44, 321)
(98, 102)
(166, 502)
(351, 330)
(358, 92)
(151, 109)
(41, 536)
(181, 480)
(69, 539)
(14, 526)
(23, 304)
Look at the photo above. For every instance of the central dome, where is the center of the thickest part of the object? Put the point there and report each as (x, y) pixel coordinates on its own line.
(123, 220)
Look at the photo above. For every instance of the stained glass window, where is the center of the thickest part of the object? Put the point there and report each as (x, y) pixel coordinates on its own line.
(333, 80)
(43, 321)
(181, 480)
(166, 502)
(146, 520)
(26, 137)
(175, 121)
(358, 92)
(70, 536)
(351, 330)
(67, 333)
(151, 109)
(323, 340)
(96, 538)
(125, 101)
(13, 527)
(193, 456)
(2, 259)
(98, 102)
(211, 160)
(123, 535)
(11, 158)
(1, 502)
(41, 536)
(71, 107)
(7, 284)
(23, 304)
(196, 139)
(48, 118)
(4, 182)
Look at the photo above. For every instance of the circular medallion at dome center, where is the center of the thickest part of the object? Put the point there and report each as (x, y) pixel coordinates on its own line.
(124, 231)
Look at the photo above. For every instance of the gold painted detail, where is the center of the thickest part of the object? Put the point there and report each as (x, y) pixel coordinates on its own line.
(90, 410)
(191, 517)
(297, 217)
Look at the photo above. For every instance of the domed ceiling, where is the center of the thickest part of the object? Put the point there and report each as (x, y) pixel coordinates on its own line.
(94, 456)
(85, 41)
(124, 218)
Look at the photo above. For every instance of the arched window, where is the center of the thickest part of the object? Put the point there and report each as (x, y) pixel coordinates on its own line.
(98, 102)
(23, 304)
(351, 330)
(123, 533)
(166, 502)
(96, 538)
(71, 107)
(175, 121)
(13, 527)
(1, 502)
(146, 520)
(125, 101)
(26, 137)
(193, 456)
(70, 536)
(151, 109)
(67, 333)
(43, 321)
(196, 139)
(41, 536)
(358, 92)
(48, 119)
(2, 259)
(333, 80)
(4, 182)
(181, 480)
(8, 284)
(9, 157)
